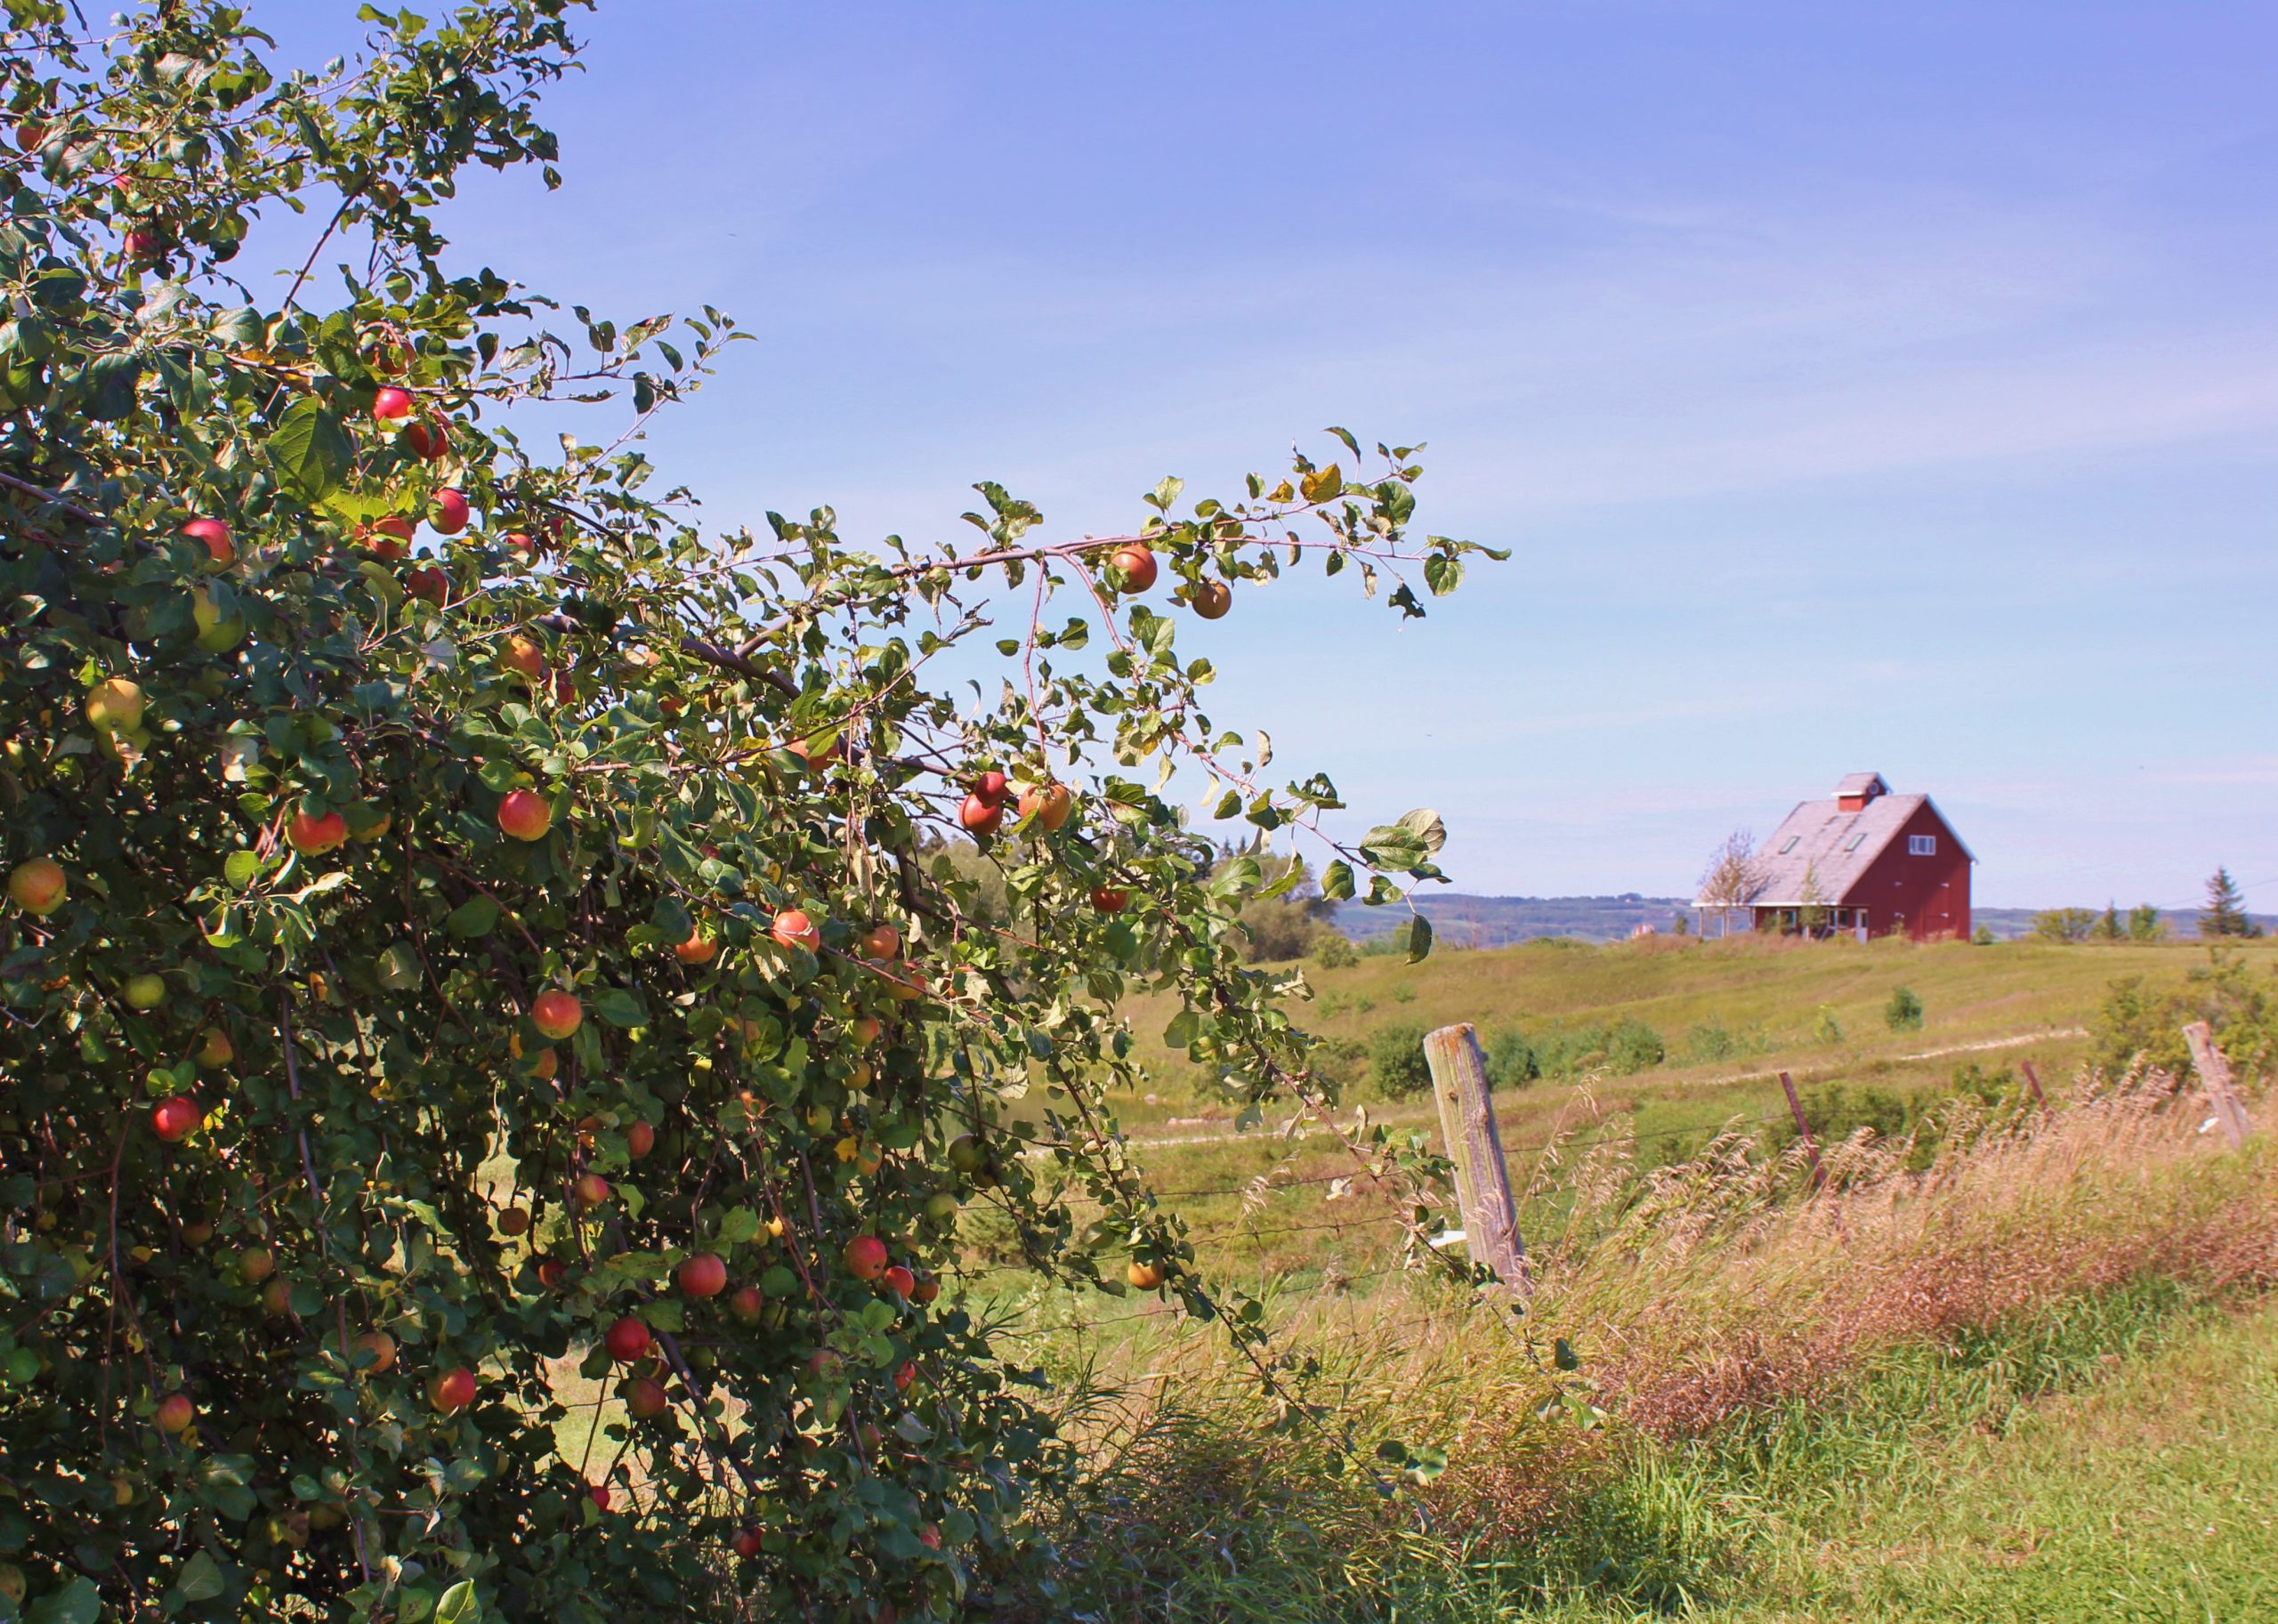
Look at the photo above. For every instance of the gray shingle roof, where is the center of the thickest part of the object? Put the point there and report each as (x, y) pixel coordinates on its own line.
(1821, 847)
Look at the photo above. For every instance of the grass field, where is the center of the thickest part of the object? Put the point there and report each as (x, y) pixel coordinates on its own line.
(1991, 1006)
(2038, 1382)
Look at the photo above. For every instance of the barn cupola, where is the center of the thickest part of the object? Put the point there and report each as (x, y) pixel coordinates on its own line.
(1852, 794)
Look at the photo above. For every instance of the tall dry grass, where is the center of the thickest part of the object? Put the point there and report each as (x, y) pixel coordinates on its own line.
(1670, 1304)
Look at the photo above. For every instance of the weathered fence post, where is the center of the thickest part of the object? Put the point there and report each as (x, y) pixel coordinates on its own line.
(1490, 1222)
(2214, 1076)
(2033, 1083)
(1803, 1132)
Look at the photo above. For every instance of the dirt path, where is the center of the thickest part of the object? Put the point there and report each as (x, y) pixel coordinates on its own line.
(1418, 1113)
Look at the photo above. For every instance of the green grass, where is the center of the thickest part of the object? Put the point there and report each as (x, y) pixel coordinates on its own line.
(2028, 997)
(2116, 1459)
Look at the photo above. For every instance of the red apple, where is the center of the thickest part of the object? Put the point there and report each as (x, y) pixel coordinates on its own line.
(992, 787)
(1135, 566)
(381, 1346)
(928, 1288)
(899, 1280)
(793, 929)
(392, 405)
(746, 1304)
(37, 885)
(824, 1363)
(703, 1275)
(551, 1272)
(388, 537)
(525, 814)
(556, 1013)
(176, 1119)
(904, 1374)
(215, 535)
(428, 584)
(981, 816)
(698, 950)
(645, 1398)
(1048, 804)
(881, 941)
(599, 1494)
(930, 1536)
(589, 1190)
(428, 439)
(514, 1222)
(866, 1257)
(640, 1139)
(748, 1542)
(144, 245)
(314, 837)
(256, 1265)
(628, 1340)
(1109, 899)
(450, 514)
(174, 1413)
(1211, 599)
(452, 1390)
(866, 1029)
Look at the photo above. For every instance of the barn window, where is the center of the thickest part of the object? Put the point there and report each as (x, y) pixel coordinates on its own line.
(1921, 846)
(1792, 841)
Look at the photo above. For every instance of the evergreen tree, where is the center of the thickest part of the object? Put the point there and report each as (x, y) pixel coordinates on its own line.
(2107, 926)
(2224, 914)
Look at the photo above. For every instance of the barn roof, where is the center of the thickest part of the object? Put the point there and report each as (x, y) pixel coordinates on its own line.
(1820, 846)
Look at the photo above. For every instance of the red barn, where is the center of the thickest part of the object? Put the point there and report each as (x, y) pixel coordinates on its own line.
(1866, 864)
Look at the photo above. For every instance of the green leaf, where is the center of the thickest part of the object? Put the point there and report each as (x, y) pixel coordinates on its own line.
(476, 917)
(1419, 939)
(1425, 824)
(1336, 881)
(458, 1605)
(310, 451)
(1184, 1026)
(620, 1008)
(201, 1579)
(241, 868)
(77, 1603)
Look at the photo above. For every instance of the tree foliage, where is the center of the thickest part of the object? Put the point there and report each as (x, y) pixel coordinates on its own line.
(2226, 914)
(431, 949)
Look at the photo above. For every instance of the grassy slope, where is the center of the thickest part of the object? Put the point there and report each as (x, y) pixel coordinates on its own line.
(2122, 1465)
(1769, 989)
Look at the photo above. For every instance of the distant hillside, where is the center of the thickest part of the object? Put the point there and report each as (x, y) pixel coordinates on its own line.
(1493, 922)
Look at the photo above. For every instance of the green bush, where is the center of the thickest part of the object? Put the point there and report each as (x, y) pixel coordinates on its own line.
(1712, 1040)
(1511, 1061)
(1623, 1048)
(1904, 1013)
(2141, 1018)
(1335, 952)
(1396, 1060)
(1825, 1027)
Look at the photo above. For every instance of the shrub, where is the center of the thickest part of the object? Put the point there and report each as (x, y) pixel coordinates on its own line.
(1402, 993)
(2142, 1019)
(1825, 1027)
(1982, 936)
(410, 963)
(1511, 1061)
(1904, 1013)
(1623, 1047)
(1333, 951)
(1396, 1060)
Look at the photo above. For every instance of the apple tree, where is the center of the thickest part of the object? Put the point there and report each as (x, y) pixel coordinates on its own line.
(493, 1048)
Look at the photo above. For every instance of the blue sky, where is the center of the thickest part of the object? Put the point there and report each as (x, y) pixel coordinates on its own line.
(1860, 386)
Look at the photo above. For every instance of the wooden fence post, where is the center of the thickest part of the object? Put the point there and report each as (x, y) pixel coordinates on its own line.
(1490, 1222)
(1803, 1132)
(2033, 1083)
(2214, 1076)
